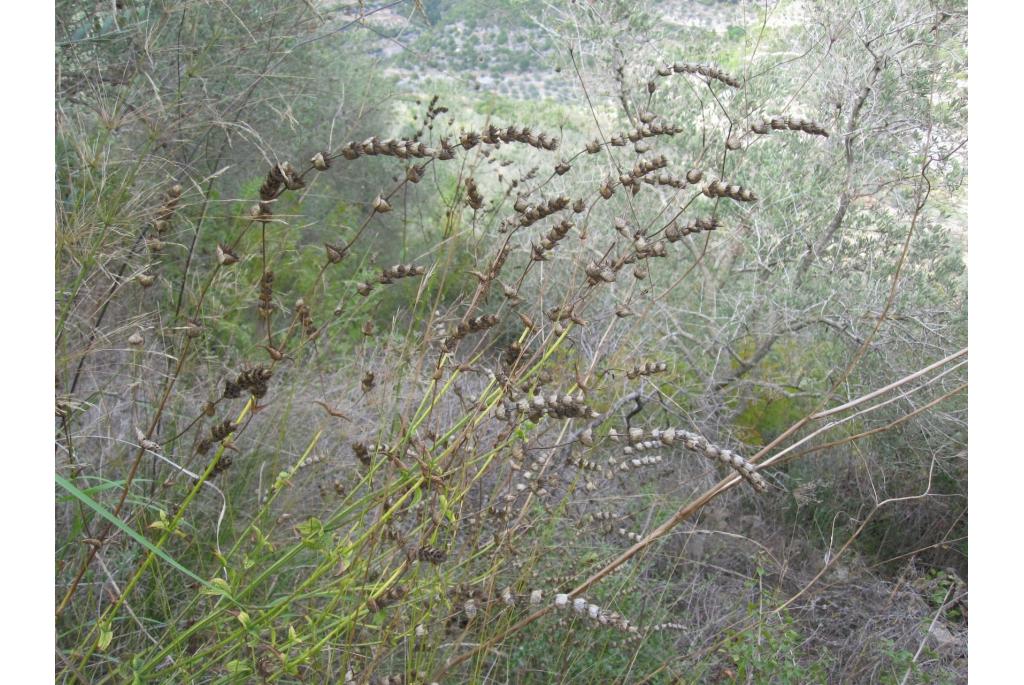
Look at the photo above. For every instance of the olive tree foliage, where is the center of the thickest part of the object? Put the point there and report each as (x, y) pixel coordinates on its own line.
(854, 255)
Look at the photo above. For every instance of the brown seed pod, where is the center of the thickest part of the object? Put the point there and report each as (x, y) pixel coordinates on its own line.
(222, 430)
(473, 197)
(334, 254)
(231, 390)
(321, 161)
(225, 255)
(431, 555)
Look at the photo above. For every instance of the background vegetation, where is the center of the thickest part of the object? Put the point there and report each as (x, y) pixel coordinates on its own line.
(346, 391)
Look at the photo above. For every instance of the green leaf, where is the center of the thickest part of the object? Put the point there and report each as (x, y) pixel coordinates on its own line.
(131, 532)
(106, 635)
(237, 667)
(311, 530)
(446, 509)
(217, 586)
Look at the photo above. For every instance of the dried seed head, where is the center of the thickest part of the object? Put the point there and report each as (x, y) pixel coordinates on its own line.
(321, 161)
(225, 255)
(432, 555)
(473, 197)
(334, 254)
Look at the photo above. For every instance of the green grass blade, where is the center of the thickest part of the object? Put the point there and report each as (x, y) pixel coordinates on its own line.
(99, 509)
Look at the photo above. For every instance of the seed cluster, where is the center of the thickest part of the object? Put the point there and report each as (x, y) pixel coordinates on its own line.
(494, 135)
(675, 232)
(266, 305)
(695, 443)
(282, 175)
(391, 147)
(473, 197)
(604, 617)
(637, 462)
(253, 380)
(720, 188)
(556, 406)
(399, 271)
(464, 328)
(708, 70)
(646, 369)
(769, 124)
(162, 221)
(529, 214)
(306, 319)
(550, 240)
(665, 179)
(599, 273)
(632, 178)
(431, 555)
